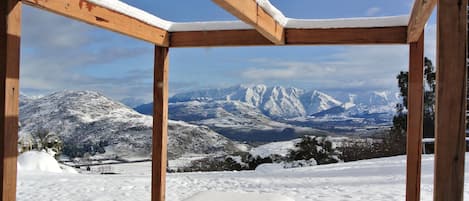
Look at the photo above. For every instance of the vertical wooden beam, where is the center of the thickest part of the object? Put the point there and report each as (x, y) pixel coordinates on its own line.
(10, 34)
(160, 124)
(450, 107)
(415, 120)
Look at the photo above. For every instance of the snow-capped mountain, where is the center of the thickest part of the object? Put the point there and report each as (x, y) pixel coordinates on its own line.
(283, 103)
(375, 102)
(275, 102)
(256, 109)
(88, 121)
(316, 101)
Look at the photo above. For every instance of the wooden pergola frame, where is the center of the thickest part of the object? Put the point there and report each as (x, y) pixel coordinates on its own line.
(450, 90)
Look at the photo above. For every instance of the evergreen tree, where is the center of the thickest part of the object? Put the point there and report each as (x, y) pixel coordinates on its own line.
(398, 131)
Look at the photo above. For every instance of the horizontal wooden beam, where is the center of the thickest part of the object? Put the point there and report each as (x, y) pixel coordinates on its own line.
(347, 36)
(102, 17)
(218, 38)
(251, 13)
(341, 36)
(418, 18)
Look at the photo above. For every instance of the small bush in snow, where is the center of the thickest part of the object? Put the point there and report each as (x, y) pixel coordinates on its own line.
(318, 148)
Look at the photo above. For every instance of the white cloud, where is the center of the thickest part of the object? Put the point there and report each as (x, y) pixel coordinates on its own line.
(373, 11)
(430, 41)
(71, 54)
(353, 68)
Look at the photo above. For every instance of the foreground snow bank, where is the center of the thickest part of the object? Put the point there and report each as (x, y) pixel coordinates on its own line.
(233, 196)
(376, 179)
(38, 161)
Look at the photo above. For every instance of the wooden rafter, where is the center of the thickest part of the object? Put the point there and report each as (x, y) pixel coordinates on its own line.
(251, 13)
(102, 17)
(420, 13)
(346, 36)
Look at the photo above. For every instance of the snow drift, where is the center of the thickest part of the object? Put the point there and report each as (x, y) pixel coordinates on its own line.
(38, 161)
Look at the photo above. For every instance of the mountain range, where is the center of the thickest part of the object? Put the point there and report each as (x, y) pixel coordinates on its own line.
(287, 102)
(298, 109)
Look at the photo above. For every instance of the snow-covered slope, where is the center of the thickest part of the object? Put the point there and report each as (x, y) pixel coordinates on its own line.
(90, 122)
(376, 179)
(236, 120)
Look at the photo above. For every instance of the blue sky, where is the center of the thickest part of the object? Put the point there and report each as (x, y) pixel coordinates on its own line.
(58, 53)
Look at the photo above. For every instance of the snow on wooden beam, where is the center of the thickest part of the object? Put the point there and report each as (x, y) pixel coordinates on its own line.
(252, 13)
(106, 18)
(10, 37)
(420, 13)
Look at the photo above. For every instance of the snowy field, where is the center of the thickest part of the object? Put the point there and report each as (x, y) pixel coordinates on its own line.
(377, 179)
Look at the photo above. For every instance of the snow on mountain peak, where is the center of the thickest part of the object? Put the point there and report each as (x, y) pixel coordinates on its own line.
(317, 101)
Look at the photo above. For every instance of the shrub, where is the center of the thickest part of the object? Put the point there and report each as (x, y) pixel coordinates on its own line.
(317, 148)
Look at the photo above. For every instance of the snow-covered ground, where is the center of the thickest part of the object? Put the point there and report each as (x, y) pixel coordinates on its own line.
(377, 179)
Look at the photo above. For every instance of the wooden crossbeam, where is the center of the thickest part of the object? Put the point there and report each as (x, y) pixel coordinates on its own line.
(251, 13)
(10, 37)
(345, 36)
(418, 18)
(90, 13)
(450, 107)
(218, 38)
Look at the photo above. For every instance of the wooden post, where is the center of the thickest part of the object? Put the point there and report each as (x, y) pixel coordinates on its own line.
(415, 120)
(450, 106)
(160, 124)
(10, 35)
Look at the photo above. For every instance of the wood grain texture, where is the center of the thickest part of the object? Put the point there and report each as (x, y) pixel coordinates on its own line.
(344, 36)
(218, 38)
(421, 11)
(10, 35)
(251, 13)
(87, 12)
(160, 124)
(450, 107)
(347, 36)
(415, 120)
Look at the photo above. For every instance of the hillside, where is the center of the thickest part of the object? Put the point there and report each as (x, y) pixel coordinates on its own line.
(89, 122)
